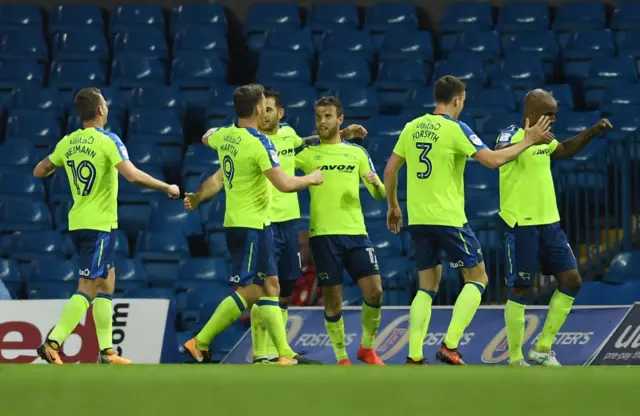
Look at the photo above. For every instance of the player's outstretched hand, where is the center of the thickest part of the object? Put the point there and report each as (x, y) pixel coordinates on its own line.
(316, 177)
(371, 178)
(173, 192)
(394, 219)
(191, 201)
(353, 131)
(537, 134)
(602, 126)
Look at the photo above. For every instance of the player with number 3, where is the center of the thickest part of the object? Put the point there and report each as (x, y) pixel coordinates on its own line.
(92, 158)
(435, 148)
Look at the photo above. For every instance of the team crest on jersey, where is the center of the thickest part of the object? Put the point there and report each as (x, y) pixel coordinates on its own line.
(475, 140)
(210, 132)
(123, 151)
(274, 156)
(504, 137)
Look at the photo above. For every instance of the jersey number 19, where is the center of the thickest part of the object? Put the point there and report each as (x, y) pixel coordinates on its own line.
(84, 173)
(425, 147)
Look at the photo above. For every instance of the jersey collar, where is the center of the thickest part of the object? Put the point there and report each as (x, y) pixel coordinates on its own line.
(447, 116)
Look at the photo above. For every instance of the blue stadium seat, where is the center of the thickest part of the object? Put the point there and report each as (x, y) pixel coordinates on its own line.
(51, 290)
(302, 121)
(281, 68)
(623, 268)
(167, 214)
(32, 126)
(197, 71)
(519, 71)
(481, 207)
(218, 245)
(295, 41)
(387, 125)
(467, 68)
(351, 295)
(221, 100)
(21, 215)
(39, 245)
(52, 270)
(402, 75)
(264, 16)
(10, 277)
(67, 75)
(199, 160)
(615, 70)
(353, 43)
(575, 72)
(562, 94)
(162, 246)
(128, 270)
(489, 99)
(479, 178)
(116, 99)
(204, 40)
(18, 155)
(15, 74)
(132, 218)
(187, 16)
(214, 213)
(385, 244)
(589, 45)
(484, 45)
(626, 16)
(297, 98)
(121, 245)
(152, 293)
(157, 126)
(205, 269)
(380, 147)
(136, 16)
(42, 99)
(149, 43)
(359, 102)
(59, 190)
(133, 72)
(628, 43)
(625, 123)
(620, 97)
(391, 16)
(130, 193)
(397, 45)
(466, 16)
(421, 100)
(61, 212)
(199, 294)
(574, 123)
(331, 16)
(144, 154)
(66, 17)
(80, 43)
(372, 209)
(20, 17)
(496, 122)
(23, 45)
(542, 44)
(114, 123)
(336, 72)
(580, 16)
(523, 16)
(598, 293)
(165, 98)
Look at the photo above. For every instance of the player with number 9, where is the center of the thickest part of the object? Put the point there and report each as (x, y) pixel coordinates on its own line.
(435, 148)
(92, 158)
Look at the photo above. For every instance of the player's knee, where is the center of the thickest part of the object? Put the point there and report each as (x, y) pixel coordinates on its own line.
(332, 300)
(272, 286)
(89, 286)
(286, 288)
(521, 294)
(373, 292)
(476, 274)
(571, 281)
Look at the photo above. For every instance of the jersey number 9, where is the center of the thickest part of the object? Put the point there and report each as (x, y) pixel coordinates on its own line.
(425, 147)
(228, 169)
(83, 174)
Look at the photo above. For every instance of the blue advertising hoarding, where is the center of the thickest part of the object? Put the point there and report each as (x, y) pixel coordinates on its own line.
(484, 342)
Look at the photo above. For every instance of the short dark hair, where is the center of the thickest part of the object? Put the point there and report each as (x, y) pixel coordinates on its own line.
(331, 101)
(246, 98)
(87, 102)
(447, 88)
(270, 93)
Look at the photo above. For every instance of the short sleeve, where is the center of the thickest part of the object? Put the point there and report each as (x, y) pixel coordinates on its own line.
(467, 141)
(399, 148)
(297, 141)
(56, 157)
(266, 154)
(553, 146)
(366, 165)
(507, 137)
(115, 149)
(211, 138)
(302, 159)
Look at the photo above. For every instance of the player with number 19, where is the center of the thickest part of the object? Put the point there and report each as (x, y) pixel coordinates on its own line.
(435, 148)
(92, 158)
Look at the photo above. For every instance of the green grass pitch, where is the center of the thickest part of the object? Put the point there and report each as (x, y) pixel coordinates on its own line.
(225, 390)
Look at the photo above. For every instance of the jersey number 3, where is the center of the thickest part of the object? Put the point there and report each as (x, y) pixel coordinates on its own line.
(425, 147)
(84, 173)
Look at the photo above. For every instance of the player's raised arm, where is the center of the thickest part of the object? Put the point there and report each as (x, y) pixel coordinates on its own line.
(572, 146)
(370, 178)
(210, 187)
(143, 179)
(533, 135)
(286, 183)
